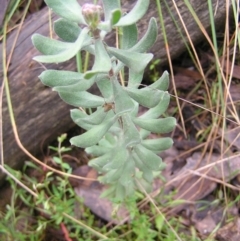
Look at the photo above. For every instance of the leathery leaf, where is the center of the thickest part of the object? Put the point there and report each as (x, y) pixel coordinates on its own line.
(158, 145)
(94, 119)
(98, 150)
(162, 125)
(109, 6)
(55, 78)
(135, 14)
(118, 158)
(102, 62)
(112, 175)
(147, 97)
(149, 38)
(123, 103)
(66, 54)
(162, 83)
(49, 46)
(94, 135)
(99, 162)
(150, 159)
(129, 36)
(147, 173)
(159, 109)
(134, 60)
(69, 10)
(82, 99)
(128, 173)
(67, 30)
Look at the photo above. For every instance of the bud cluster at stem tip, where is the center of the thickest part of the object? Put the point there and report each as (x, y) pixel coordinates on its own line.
(92, 15)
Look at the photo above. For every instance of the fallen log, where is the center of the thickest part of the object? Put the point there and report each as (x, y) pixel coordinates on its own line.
(40, 114)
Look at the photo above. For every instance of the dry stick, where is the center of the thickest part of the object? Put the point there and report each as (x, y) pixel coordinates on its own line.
(5, 82)
(18, 182)
(13, 123)
(4, 57)
(1, 146)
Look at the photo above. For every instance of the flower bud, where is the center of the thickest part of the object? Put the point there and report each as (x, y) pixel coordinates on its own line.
(91, 13)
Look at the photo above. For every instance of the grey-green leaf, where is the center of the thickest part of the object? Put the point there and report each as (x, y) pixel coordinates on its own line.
(147, 97)
(109, 6)
(99, 162)
(94, 135)
(118, 158)
(94, 119)
(102, 62)
(82, 99)
(69, 9)
(109, 140)
(159, 109)
(49, 46)
(102, 59)
(55, 78)
(149, 38)
(121, 192)
(97, 150)
(129, 36)
(128, 173)
(162, 83)
(67, 30)
(163, 125)
(130, 132)
(105, 87)
(68, 53)
(113, 175)
(77, 116)
(150, 159)
(147, 172)
(135, 61)
(135, 78)
(135, 14)
(83, 84)
(158, 145)
(123, 103)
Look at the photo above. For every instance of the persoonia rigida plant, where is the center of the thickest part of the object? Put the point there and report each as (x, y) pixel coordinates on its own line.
(116, 136)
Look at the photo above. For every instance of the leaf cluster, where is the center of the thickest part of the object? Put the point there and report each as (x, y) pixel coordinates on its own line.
(115, 134)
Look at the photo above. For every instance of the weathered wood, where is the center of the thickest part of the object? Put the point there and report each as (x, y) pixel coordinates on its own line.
(39, 112)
